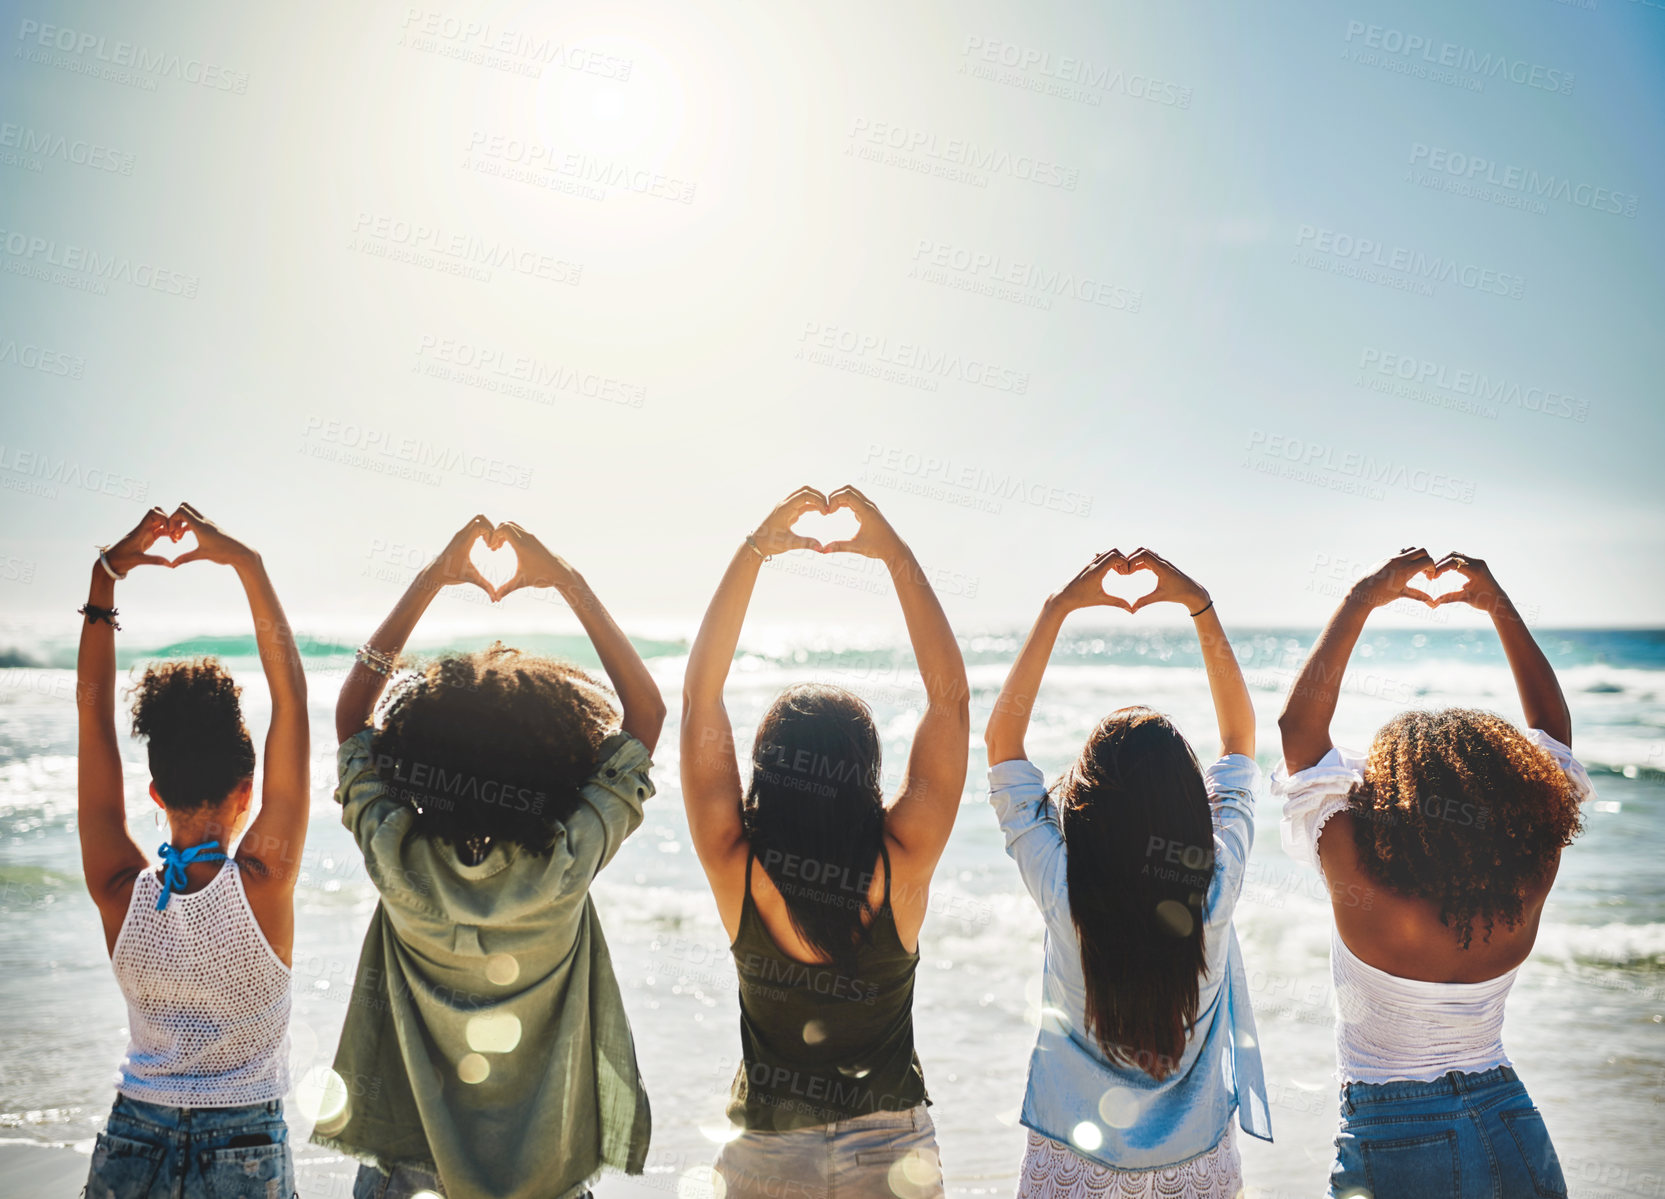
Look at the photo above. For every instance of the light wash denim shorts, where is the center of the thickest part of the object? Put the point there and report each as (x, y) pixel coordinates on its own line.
(885, 1155)
(150, 1151)
(1463, 1136)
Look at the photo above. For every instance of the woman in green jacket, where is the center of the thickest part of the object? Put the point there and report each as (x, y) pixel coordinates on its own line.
(486, 1050)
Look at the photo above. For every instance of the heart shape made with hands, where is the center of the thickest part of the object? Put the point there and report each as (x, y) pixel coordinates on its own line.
(1130, 586)
(497, 565)
(166, 547)
(827, 527)
(1447, 582)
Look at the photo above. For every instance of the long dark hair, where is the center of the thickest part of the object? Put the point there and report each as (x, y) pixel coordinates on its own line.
(814, 812)
(1140, 853)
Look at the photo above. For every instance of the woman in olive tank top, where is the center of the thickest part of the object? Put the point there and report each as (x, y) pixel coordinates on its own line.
(822, 887)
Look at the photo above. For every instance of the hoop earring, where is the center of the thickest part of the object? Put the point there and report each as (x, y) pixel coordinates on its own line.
(157, 815)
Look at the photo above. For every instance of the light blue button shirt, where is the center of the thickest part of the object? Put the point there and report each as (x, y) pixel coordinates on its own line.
(1136, 1122)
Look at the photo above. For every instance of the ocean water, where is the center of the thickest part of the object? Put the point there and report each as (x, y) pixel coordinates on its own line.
(1586, 1024)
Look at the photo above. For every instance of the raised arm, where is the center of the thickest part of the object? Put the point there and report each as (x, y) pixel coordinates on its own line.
(1234, 712)
(1305, 720)
(270, 851)
(363, 686)
(110, 858)
(1003, 738)
(710, 774)
(644, 707)
(922, 816)
(1541, 700)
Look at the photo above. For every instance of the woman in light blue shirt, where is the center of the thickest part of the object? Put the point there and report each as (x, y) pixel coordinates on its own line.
(1146, 1043)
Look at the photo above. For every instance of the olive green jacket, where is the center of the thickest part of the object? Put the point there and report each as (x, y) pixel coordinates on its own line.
(486, 1038)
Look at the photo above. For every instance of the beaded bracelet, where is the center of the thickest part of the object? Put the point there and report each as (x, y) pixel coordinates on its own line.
(373, 659)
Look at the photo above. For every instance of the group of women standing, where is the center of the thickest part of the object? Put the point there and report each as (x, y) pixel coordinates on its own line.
(487, 1051)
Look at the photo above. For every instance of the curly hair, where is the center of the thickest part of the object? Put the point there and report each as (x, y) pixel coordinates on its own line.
(1459, 808)
(493, 744)
(199, 748)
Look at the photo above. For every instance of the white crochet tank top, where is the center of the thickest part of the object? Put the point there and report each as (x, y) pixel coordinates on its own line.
(207, 998)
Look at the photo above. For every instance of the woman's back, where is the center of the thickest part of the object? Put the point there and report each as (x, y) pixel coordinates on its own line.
(207, 998)
(1146, 1042)
(822, 885)
(1146, 1121)
(1404, 934)
(1438, 848)
(823, 1041)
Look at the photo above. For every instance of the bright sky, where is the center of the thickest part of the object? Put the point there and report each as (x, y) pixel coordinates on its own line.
(1274, 292)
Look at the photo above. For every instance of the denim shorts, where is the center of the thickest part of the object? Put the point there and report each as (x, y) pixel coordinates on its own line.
(1463, 1136)
(150, 1151)
(885, 1155)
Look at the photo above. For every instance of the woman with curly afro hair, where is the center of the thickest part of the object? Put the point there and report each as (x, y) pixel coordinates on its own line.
(1438, 847)
(201, 945)
(486, 1050)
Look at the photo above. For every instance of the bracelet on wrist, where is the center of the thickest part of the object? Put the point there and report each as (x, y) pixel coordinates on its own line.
(94, 614)
(104, 561)
(374, 659)
(752, 541)
(1202, 609)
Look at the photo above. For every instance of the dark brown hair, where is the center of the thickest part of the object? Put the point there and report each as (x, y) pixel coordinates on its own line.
(814, 812)
(199, 748)
(1458, 807)
(492, 745)
(1140, 858)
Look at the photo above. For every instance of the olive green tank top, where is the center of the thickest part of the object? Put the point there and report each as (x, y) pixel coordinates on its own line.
(820, 1043)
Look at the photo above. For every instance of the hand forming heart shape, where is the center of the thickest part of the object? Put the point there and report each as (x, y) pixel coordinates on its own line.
(1132, 584)
(495, 560)
(1438, 583)
(207, 542)
(826, 527)
(1092, 586)
(872, 537)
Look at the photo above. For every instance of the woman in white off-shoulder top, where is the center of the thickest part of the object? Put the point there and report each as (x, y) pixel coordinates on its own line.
(1438, 848)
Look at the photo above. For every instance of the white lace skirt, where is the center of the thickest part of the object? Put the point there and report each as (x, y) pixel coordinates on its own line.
(1053, 1171)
